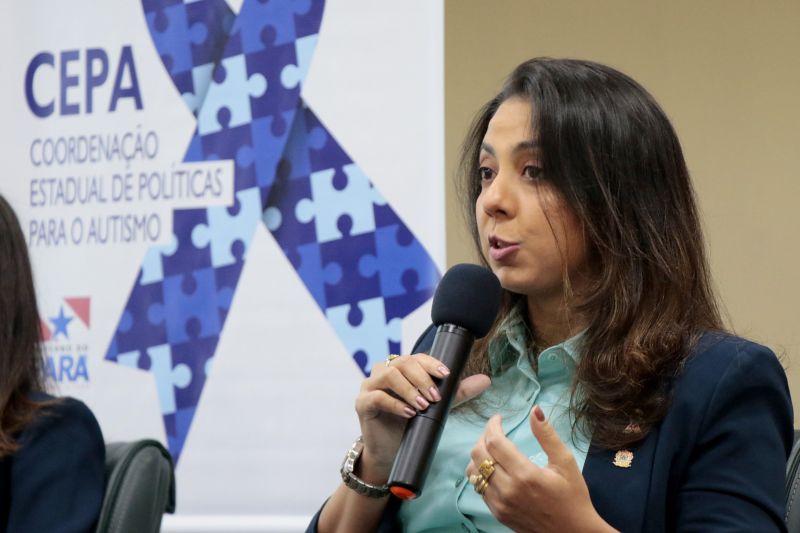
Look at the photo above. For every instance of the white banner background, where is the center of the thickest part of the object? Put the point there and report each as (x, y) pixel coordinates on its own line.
(276, 414)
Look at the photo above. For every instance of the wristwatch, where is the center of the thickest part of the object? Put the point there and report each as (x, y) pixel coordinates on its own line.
(352, 481)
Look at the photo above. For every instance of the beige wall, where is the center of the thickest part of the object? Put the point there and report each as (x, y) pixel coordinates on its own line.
(728, 75)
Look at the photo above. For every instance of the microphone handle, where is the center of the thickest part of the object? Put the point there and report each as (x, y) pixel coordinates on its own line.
(451, 346)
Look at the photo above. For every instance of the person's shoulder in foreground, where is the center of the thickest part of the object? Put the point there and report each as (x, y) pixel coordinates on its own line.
(56, 479)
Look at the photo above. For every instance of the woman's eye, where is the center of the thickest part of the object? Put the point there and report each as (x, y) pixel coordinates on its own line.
(533, 172)
(486, 173)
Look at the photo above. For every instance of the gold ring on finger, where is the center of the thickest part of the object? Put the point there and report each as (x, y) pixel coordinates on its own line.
(486, 468)
(474, 479)
(480, 487)
(391, 358)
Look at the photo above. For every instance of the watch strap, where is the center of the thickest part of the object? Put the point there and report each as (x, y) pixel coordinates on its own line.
(354, 482)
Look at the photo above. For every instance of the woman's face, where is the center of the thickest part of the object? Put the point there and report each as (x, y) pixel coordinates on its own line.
(528, 234)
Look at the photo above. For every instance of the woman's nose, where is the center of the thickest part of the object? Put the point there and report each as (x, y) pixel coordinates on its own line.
(498, 196)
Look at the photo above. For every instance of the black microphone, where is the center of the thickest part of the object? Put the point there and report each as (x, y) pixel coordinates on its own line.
(464, 307)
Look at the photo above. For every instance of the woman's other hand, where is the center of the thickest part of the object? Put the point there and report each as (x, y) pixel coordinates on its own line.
(526, 497)
(390, 396)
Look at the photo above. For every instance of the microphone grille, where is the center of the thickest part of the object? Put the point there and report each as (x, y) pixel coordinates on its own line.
(467, 296)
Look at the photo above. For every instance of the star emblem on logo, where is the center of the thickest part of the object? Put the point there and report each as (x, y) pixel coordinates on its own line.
(60, 323)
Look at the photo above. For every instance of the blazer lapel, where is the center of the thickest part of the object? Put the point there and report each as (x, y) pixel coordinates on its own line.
(619, 483)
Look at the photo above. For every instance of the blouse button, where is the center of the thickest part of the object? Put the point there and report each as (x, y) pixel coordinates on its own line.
(459, 480)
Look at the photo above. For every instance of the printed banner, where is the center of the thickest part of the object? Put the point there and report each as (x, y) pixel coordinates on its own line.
(234, 210)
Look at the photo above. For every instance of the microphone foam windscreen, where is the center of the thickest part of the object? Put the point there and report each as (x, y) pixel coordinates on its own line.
(467, 296)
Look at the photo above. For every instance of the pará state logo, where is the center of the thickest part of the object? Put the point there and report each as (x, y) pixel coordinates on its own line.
(65, 333)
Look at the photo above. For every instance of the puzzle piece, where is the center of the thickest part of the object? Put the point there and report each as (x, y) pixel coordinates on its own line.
(227, 143)
(227, 102)
(284, 196)
(184, 84)
(404, 304)
(227, 278)
(385, 216)
(299, 144)
(398, 261)
(129, 359)
(210, 23)
(308, 264)
(190, 306)
(308, 23)
(194, 355)
(152, 270)
(293, 75)
(201, 80)
(270, 63)
(269, 135)
(326, 152)
(167, 376)
(176, 426)
(346, 253)
(135, 329)
(169, 29)
(273, 22)
(225, 229)
(337, 195)
(363, 327)
(194, 152)
(188, 257)
(125, 322)
(188, 35)
(192, 100)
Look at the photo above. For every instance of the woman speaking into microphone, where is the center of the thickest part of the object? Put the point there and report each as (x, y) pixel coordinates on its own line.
(607, 394)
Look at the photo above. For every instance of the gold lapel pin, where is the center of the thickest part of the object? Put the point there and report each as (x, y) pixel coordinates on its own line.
(623, 458)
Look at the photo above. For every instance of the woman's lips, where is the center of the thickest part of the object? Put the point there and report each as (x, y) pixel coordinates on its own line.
(500, 249)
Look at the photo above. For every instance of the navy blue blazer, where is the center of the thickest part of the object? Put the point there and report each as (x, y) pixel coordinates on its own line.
(55, 482)
(716, 462)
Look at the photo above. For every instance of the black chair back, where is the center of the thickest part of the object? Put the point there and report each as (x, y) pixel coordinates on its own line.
(792, 487)
(140, 487)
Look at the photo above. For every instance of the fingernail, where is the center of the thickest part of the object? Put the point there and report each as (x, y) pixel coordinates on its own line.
(435, 393)
(422, 402)
(410, 413)
(537, 411)
(444, 371)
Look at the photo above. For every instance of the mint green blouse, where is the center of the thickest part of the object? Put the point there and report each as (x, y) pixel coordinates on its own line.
(448, 502)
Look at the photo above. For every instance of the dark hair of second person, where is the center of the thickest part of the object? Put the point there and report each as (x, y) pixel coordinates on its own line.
(21, 363)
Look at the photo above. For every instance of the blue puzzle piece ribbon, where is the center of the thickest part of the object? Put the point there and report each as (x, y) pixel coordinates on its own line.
(241, 77)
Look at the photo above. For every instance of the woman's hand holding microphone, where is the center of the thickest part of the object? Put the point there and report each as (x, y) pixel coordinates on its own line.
(394, 393)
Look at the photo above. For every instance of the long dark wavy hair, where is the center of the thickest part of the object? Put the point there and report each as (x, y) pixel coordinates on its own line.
(21, 363)
(609, 150)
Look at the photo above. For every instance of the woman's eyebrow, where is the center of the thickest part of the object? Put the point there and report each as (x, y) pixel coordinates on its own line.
(527, 146)
(524, 146)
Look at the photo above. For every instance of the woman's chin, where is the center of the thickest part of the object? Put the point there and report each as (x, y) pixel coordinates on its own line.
(511, 280)
(524, 284)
